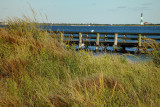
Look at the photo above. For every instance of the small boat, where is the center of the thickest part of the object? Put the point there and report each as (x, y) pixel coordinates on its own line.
(92, 30)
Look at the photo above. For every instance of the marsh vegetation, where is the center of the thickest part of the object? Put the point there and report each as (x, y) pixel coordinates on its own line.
(35, 70)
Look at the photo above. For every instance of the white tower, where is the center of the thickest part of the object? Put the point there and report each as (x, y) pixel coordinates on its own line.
(141, 19)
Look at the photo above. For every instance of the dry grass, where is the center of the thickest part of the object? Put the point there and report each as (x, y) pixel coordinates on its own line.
(35, 70)
(152, 48)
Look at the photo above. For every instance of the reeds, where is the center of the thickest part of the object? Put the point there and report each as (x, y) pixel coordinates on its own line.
(152, 48)
(35, 70)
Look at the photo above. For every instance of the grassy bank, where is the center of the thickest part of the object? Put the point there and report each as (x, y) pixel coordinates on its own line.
(35, 70)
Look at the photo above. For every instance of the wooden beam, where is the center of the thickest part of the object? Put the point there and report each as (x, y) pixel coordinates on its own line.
(111, 33)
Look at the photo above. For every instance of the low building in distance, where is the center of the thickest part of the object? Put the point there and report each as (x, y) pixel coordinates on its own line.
(147, 23)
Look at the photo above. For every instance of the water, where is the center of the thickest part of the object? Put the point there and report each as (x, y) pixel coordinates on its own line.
(117, 29)
(129, 57)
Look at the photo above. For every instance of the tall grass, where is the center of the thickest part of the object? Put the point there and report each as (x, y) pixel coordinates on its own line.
(152, 47)
(35, 70)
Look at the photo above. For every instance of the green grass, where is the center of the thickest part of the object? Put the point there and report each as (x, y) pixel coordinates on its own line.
(35, 70)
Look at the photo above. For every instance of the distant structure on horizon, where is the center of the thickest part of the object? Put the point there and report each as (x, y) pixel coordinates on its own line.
(3, 23)
(141, 19)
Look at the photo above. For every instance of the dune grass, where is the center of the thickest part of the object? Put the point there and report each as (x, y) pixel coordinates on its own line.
(35, 70)
(150, 44)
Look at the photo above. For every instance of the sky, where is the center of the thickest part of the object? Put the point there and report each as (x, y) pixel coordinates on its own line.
(83, 11)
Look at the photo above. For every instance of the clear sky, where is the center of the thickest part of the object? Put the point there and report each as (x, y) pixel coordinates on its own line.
(84, 11)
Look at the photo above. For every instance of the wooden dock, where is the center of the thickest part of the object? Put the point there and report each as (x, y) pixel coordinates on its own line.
(118, 40)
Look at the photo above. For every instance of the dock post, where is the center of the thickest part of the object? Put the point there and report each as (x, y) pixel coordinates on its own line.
(139, 42)
(105, 36)
(71, 36)
(115, 39)
(86, 37)
(124, 39)
(61, 37)
(80, 40)
(97, 41)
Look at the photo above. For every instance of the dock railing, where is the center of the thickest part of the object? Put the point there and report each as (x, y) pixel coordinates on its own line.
(105, 38)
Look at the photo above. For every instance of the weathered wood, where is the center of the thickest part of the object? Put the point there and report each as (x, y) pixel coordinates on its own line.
(80, 40)
(105, 37)
(105, 43)
(139, 40)
(71, 36)
(115, 39)
(86, 37)
(97, 41)
(111, 33)
(124, 39)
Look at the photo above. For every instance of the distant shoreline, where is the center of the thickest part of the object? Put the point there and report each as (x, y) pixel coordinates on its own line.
(65, 24)
(61, 24)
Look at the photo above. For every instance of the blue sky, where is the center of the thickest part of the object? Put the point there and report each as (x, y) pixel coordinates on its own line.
(84, 11)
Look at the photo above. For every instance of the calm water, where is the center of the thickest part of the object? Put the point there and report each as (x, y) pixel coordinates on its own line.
(118, 29)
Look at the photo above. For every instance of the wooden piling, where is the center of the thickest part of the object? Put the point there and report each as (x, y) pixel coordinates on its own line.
(86, 37)
(115, 39)
(105, 37)
(97, 41)
(124, 40)
(80, 40)
(71, 36)
(139, 40)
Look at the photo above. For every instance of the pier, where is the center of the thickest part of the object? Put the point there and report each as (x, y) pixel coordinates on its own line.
(116, 40)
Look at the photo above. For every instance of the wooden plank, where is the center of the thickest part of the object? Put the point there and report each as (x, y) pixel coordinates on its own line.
(106, 43)
(112, 33)
(105, 39)
(125, 38)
